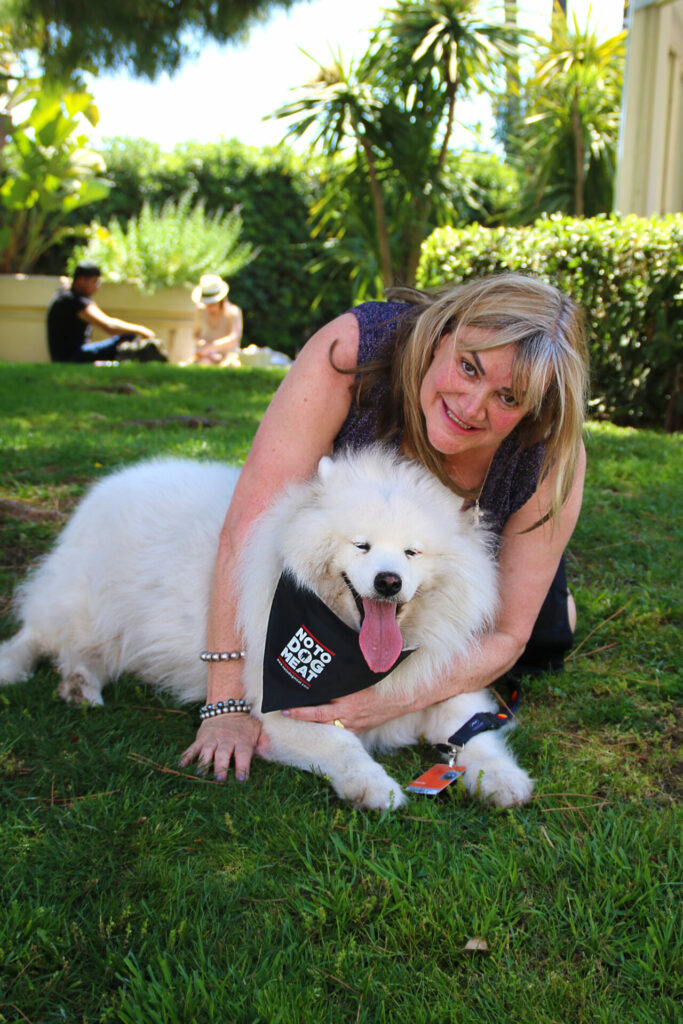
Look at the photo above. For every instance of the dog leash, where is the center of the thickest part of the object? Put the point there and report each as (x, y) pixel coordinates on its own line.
(483, 721)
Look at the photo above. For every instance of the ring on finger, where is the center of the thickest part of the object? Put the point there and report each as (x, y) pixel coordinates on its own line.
(338, 722)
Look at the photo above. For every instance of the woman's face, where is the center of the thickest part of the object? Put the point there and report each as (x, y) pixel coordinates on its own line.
(466, 396)
(214, 310)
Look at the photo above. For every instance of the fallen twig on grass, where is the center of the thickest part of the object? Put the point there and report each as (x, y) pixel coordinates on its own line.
(569, 807)
(25, 513)
(604, 622)
(68, 801)
(160, 711)
(13, 1006)
(116, 389)
(326, 974)
(598, 650)
(170, 771)
(179, 421)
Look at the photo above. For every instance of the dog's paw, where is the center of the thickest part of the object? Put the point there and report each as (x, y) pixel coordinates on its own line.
(501, 786)
(76, 689)
(373, 792)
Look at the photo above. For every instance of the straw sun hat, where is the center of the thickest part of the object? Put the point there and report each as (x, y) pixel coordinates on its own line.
(211, 288)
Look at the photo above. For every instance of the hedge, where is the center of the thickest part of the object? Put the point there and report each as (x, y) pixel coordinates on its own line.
(626, 272)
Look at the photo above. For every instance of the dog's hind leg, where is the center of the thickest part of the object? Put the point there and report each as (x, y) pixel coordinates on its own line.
(338, 755)
(18, 656)
(82, 679)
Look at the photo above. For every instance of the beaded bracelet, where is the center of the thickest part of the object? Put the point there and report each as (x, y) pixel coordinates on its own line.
(222, 655)
(225, 707)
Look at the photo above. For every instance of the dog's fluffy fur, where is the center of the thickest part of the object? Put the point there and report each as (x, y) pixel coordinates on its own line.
(126, 589)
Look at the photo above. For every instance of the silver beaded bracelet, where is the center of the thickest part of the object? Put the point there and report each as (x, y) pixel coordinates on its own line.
(222, 655)
(225, 707)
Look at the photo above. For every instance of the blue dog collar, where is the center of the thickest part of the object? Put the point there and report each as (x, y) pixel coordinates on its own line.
(483, 721)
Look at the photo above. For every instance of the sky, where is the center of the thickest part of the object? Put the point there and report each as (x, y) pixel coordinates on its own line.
(229, 90)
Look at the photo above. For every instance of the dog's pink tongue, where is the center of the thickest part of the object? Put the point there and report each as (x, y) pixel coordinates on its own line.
(380, 637)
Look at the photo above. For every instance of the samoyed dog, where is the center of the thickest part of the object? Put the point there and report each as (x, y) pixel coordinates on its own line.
(383, 549)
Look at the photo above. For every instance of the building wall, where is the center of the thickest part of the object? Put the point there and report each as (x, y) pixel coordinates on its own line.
(650, 166)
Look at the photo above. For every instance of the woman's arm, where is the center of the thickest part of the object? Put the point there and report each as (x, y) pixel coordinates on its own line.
(527, 566)
(298, 428)
(233, 336)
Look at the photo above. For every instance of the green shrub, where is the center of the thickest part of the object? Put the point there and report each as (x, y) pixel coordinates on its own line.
(172, 247)
(626, 272)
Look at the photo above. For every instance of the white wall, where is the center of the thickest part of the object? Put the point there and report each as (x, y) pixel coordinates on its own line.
(650, 165)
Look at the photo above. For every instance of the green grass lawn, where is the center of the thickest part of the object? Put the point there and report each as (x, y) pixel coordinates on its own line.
(134, 891)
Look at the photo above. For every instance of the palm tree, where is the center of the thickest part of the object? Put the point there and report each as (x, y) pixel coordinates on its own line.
(572, 122)
(428, 54)
(339, 105)
(397, 107)
(507, 106)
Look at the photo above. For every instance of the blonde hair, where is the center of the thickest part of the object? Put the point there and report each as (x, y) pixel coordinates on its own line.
(549, 376)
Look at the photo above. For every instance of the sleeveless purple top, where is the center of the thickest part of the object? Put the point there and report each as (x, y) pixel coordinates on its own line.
(515, 470)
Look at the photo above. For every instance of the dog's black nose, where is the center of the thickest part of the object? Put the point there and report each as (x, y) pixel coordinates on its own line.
(387, 583)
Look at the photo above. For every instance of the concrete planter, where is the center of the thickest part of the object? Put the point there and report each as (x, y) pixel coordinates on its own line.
(24, 300)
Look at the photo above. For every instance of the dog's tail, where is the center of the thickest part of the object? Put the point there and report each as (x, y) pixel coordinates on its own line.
(18, 656)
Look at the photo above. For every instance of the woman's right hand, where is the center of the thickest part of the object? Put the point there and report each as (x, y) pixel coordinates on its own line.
(220, 740)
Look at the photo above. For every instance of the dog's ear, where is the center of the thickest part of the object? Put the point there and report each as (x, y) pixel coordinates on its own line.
(325, 468)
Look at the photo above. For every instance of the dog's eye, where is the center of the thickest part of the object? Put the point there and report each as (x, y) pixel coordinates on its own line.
(362, 545)
(411, 552)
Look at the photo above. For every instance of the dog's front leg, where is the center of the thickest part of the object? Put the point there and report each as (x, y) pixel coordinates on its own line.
(491, 770)
(335, 753)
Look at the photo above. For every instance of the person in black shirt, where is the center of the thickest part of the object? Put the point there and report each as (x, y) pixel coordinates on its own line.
(72, 313)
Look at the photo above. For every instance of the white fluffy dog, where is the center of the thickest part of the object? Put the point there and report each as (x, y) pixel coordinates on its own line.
(381, 542)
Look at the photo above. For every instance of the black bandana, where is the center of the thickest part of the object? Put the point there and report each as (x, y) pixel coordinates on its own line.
(311, 656)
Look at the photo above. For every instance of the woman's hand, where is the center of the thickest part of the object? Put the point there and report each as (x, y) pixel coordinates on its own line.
(222, 739)
(360, 711)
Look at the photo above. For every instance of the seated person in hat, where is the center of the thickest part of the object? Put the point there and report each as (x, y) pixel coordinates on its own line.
(218, 330)
(218, 327)
(71, 315)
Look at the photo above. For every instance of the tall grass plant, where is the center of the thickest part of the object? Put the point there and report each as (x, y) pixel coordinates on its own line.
(167, 247)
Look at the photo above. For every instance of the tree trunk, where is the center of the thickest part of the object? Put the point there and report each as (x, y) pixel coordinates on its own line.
(417, 236)
(450, 92)
(512, 81)
(380, 216)
(579, 159)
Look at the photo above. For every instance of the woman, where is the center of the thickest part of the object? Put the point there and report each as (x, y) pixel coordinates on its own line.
(218, 327)
(483, 383)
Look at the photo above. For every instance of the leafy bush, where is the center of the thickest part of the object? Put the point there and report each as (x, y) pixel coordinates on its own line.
(480, 188)
(47, 171)
(626, 272)
(172, 247)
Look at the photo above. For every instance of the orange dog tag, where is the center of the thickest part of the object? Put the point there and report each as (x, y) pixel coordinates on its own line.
(435, 779)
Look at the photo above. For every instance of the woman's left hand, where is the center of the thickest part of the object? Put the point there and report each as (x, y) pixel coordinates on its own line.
(360, 711)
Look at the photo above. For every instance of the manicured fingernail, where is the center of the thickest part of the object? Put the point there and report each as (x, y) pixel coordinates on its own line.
(241, 776)
(285, 713)
(220, 776)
